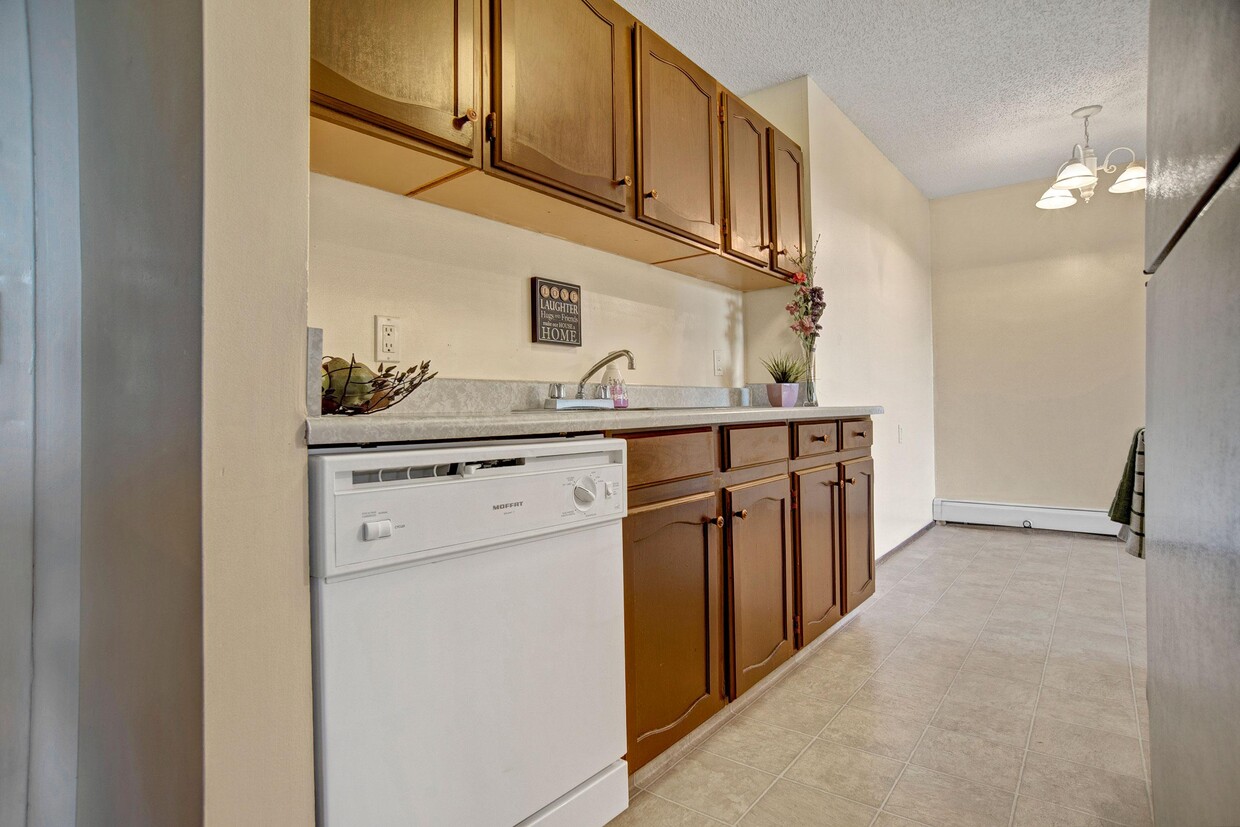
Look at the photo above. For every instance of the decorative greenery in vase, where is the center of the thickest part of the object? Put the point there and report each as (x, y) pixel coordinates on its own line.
(351, 388)
(786, 371)
(806, 309)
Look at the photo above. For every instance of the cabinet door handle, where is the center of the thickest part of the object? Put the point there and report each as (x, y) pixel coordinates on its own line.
(764, 246)
(718, 521)
(818, 438)
(831, 483)
(626, 181)
(654, 194)
(783, 252)
(851, 480)
(470, 116)
(743, 514)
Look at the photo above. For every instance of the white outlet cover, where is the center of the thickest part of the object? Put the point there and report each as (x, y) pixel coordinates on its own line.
(719, 363)
(387, 339)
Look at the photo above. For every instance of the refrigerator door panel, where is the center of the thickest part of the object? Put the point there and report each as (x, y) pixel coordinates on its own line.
(1192, 496)
(1193, 115)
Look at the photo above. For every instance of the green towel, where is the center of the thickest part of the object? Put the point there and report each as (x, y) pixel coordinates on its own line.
(1121, 506)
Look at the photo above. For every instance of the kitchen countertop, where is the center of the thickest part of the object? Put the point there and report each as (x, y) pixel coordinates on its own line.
(410, 427)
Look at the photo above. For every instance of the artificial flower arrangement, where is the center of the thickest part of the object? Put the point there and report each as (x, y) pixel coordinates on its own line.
(806, 309)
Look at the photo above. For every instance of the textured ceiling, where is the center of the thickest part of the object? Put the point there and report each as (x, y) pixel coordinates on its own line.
(961, 95)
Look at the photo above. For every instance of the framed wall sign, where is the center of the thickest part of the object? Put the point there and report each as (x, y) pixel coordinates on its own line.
(555, 311)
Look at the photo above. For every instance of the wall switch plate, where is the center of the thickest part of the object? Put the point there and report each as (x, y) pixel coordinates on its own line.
(719, 363)
(387, 339)
(899, 433)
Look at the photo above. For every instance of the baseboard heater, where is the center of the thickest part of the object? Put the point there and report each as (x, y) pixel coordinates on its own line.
(1084, 520)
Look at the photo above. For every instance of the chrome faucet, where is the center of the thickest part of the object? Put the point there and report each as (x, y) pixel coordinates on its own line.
(610, 357)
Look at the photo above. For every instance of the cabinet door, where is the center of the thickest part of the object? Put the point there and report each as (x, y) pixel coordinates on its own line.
(673, 622)
(678, 156)
(787, 222)
(563, 96)
(818, 551)
(759, 579)
(746, 189)
(407, 65)
(858, 530)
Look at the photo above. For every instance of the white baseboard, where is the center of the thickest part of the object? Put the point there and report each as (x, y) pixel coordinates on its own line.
(1084, 520)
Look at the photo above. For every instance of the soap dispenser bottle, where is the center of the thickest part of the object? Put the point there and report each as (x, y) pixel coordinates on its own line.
(613, 380)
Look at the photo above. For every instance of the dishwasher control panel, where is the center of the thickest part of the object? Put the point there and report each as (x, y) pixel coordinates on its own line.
(412, 506)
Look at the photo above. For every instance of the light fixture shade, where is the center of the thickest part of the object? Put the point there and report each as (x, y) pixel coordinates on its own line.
(1130, 180)
(1054, 199)
(1074, 176)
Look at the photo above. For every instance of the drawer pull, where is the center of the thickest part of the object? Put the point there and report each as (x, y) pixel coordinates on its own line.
(743, 514)
(851, 480)
(818, 438)
(859, 433)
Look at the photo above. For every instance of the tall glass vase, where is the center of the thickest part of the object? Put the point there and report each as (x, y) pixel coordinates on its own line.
(811, 379)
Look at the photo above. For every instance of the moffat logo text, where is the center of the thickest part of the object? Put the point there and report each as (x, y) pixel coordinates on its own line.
(503, 506)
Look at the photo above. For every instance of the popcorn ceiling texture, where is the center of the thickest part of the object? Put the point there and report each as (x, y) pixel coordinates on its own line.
(961, 95)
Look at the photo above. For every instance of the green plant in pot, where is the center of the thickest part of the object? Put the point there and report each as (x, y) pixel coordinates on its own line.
(786, 374)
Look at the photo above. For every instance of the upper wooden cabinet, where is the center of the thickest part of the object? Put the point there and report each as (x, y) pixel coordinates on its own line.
(857, 508)
(673, 622)
(760, 579)
(787, 197)
(562, 96)
(411, 66)
(746, 184)
(678, 144)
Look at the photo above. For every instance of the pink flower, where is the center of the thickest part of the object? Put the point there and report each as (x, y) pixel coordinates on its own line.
(798, 278)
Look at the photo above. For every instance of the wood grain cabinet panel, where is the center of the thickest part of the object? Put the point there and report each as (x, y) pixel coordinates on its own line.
(673, 622)
(817, 499)
(760, 579)
(661, 456)
(678, 148)
(746, 188)
(856, 433)
(411, 66)
(814, 438)
(755, 445)
(562, 96)
(857, 510)
(787, 198)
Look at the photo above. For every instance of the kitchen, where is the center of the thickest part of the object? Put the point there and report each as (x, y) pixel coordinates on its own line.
(946, 395)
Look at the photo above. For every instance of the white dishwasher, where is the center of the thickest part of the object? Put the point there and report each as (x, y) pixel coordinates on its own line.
(468, 630)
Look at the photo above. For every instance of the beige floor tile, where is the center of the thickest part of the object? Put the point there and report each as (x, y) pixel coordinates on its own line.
(1036, 614)
(713, 785)
(1118, 716)
(1033, 813)
(945, 801)
(890, 697)
(1105, 794)
(1105, 750)
(844, 771)
(862, 641)
(934, 629)
(968, 756)
(756, 745)
(994, 723)
(945, 653)
(834, 658)
(886, 819)
(1085, 678)
(824, 684)
(646, 810)
(1020, 628)
(792, 805)
(789, 709)
(1145, 751)
(877, 732)
(918, 673)
(1004, 693)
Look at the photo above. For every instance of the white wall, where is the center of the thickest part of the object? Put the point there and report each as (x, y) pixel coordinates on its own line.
(1039, 341)
(873, 261)
(461, 287)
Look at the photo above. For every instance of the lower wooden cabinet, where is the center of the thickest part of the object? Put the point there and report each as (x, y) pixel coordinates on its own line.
(857, 510)
(818, 604)
(760, 579)
(673, 618)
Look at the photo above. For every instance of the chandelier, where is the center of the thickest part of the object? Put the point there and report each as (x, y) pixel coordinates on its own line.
(1080, 172)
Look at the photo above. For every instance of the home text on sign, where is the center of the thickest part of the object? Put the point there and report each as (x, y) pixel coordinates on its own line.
(556, 312)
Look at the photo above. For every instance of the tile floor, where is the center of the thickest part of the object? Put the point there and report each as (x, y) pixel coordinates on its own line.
(997, 678)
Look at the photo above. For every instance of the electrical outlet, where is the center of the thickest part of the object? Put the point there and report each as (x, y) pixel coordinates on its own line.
(719, 363)
(387, 339)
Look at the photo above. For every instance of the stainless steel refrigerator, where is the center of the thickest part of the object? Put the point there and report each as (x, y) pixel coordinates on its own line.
(1192, 485)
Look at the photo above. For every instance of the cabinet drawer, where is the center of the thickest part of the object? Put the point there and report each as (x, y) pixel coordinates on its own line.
(857, 433)
(755, 445)
(664, 457)
(817, 438)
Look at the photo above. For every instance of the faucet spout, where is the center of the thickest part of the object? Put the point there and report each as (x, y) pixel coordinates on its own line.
(599, 365)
